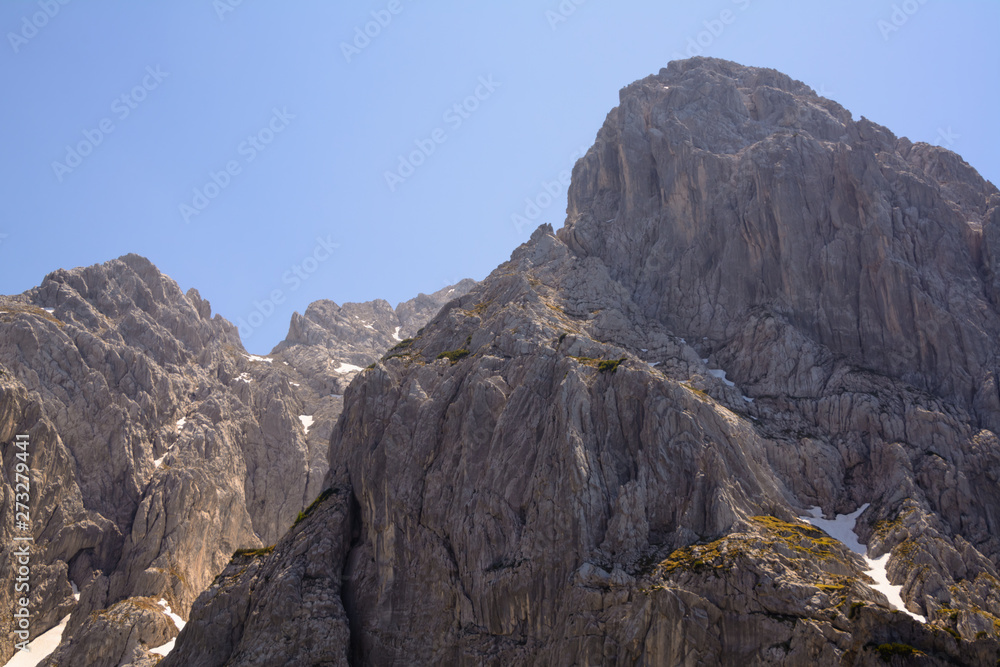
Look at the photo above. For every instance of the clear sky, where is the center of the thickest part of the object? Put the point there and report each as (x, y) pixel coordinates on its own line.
(235, 142)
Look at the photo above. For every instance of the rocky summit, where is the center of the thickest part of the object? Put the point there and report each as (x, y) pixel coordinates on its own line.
(741, 409)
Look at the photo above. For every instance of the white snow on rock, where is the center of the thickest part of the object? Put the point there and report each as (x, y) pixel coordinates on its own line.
(347, 368)
(395, 334)
(245, 377)
(178, 621)
(181, 423)
(721, 374)
(307, 422)
(49, 310)
(748, 399)
(254, 357)
(654, 364)
(842, 528)
(40, 647)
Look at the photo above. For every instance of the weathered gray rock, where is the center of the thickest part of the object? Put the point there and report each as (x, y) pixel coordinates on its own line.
(159, 445)
(597, 456)
(278, 611)
(119, 635)
(328, 345)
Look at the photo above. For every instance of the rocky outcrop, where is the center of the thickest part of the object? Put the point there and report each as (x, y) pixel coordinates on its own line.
(328, 345)
(119, 635)
(158, 448)
(307, 625)
(599, 454)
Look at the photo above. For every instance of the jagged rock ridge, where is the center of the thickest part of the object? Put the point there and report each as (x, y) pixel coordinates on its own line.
(599, 454)
(159, 446)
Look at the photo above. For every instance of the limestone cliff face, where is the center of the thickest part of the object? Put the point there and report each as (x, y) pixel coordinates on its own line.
(329, 344)
(159, 446)
(598, 455)
(715, 191)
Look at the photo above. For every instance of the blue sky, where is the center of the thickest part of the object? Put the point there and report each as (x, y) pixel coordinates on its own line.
(243, 148)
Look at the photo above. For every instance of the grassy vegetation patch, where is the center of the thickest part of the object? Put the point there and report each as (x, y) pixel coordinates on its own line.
(312, 507)
(402, 345)
(454, 355)
(603, 365)
(610, 365)
(803, 542)
(480, 307)
(888, 651)
(253, 553)
(28, 309)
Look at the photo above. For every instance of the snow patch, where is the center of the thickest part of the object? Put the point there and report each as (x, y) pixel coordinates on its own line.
(178, 621)
(49, 310)
(40, 647)
(307, 422)
(654, 364)
(347, 368)
(748, 399)
(368, 326)
(395, 334)
(244, 377)
(181, 423)
(721, 374)
(842, 528)
(254, 357)
(295, 384)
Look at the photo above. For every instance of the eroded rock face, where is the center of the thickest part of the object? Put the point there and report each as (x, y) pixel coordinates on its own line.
(715, 190)
(158, 446)
(285, 610)
(599, 454)
(328, 345)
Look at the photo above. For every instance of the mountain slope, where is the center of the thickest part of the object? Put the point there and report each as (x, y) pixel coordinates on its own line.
(599, 455)
(158, 448)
